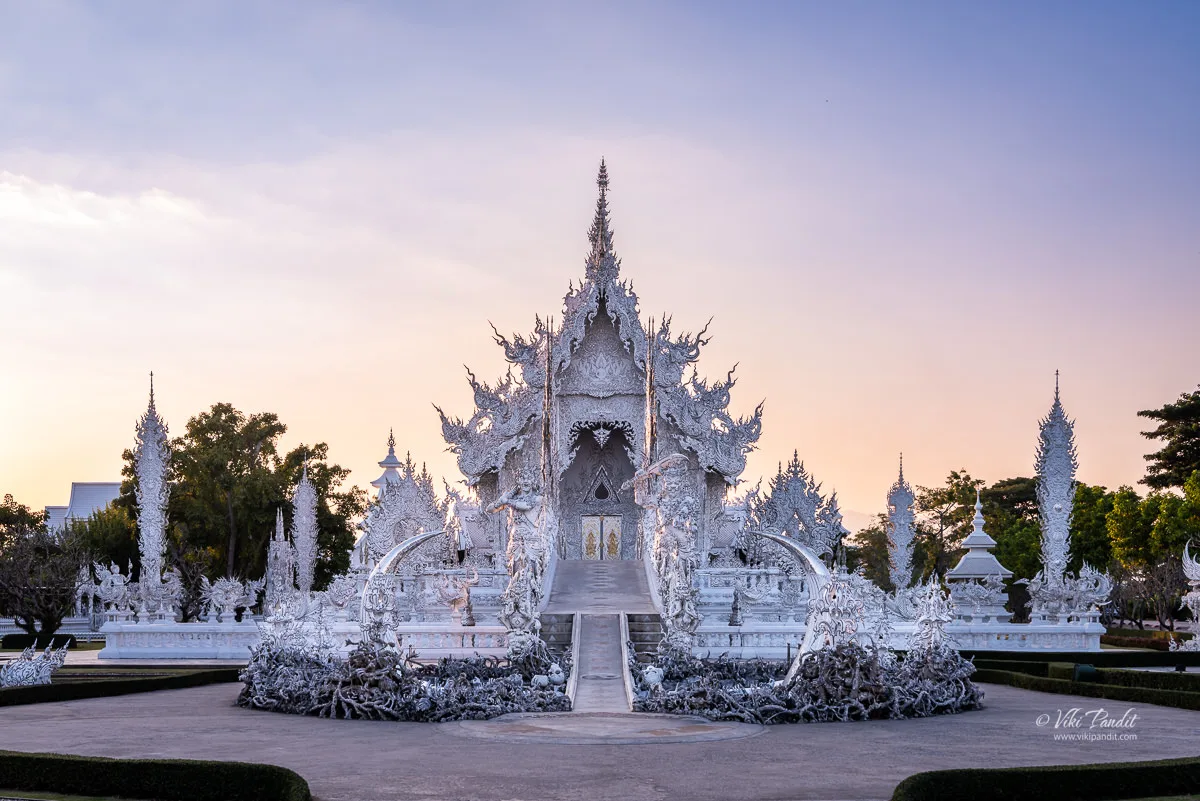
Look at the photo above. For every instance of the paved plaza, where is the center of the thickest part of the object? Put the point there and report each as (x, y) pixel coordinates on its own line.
(531, 758)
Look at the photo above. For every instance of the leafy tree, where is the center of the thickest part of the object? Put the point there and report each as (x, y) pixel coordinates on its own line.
(110, 535)
(39, 574)
(1129, 523)
(868, 549)
(944, 519)
(18, 519)
(1179, 429)
(1089, 528)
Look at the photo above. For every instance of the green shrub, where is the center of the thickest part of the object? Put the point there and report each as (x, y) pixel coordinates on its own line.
(1140, 695)
(1117, 780)
(1060, 670)
(1097, 658)
(1135, 642)
(1155, 680)
(19, 642)
(99, 688)
(1151, 634)
(1032, 668)
(162, 779)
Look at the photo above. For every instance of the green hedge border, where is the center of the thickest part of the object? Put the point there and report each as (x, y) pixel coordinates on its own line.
(1179, 699)
(1097, 658)
(160, 779)
(1105, 782)
(101, 688)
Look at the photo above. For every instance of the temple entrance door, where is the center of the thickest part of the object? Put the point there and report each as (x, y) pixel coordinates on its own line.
(601, 536)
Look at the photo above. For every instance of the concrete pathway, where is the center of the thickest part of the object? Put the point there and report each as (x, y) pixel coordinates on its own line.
(348, 760)
(601, 675)
(601, 591)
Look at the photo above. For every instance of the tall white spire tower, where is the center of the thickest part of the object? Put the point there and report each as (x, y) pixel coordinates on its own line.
(900, 532)
(151, 459)
(1056, 465)
(304, 531)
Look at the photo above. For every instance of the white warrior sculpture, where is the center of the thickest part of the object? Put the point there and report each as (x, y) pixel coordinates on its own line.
(525, 554)
(664, 488)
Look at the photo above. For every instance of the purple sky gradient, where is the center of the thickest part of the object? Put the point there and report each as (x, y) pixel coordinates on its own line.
(903, 218)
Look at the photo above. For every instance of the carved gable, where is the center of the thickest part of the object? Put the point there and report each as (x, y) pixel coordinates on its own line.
(601, 366)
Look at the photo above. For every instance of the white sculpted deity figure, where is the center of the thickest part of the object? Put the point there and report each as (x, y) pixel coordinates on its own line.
(526, 554)
(113, 588)
(665, 489)
(225, 595)
(1191, 571)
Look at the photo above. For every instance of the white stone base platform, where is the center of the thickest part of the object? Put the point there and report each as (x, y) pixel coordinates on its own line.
(234, 641)
(771, 640)
(226, 641)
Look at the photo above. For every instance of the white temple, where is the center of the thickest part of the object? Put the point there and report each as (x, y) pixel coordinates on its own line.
(601, 444)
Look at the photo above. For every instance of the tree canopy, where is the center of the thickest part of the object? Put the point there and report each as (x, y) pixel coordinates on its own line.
(1179, 430)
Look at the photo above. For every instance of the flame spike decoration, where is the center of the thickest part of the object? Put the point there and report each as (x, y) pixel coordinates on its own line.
(1056, 464)
(304, 531)
(152, 458)
(281, 569)
(900, 533)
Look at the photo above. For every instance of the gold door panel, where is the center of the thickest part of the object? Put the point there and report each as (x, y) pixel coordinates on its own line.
(593, 536)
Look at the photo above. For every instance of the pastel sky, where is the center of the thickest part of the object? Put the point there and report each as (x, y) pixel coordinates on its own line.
(902, 218)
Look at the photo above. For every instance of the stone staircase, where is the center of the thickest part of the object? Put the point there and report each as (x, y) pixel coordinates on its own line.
(557, 631)
(645, 632)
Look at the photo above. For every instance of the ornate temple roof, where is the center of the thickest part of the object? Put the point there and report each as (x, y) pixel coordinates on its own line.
(697, 410)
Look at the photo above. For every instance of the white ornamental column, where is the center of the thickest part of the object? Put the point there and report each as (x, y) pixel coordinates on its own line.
(304, 532)
(900, 532)
(1056, 464)
(152, 457)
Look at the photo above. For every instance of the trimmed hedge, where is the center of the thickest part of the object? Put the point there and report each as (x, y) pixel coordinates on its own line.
(1180, 699)
(161, 779)
(1135, 642)
(1151, 634)
(1098, 658)
(1155, 680)
(1032, 668)
(1117, 780)
(19, 642)
(13, 696)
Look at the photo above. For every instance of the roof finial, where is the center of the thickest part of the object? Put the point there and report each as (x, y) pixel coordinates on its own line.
(391, 441)
(602, 262)
(901, 465)
(151, 387)
(1056, 385)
